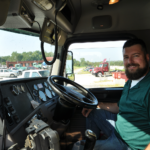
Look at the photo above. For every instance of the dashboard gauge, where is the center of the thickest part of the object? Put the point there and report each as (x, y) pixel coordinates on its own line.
(35, 93)
(53, 93)
(50, 88)
(15, 90)
(19, 89)
(45, 84)
(40, 86)
(35, 87)
(22, 88)
(42, 96)
(48, 93)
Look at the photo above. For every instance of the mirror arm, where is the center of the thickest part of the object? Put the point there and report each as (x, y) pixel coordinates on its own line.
(56, 47)
(58, 5)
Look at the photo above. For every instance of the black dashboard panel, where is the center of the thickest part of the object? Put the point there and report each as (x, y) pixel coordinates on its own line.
(18, 105)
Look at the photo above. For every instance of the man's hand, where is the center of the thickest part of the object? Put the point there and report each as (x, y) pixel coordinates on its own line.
(86, 112)
(148, 147)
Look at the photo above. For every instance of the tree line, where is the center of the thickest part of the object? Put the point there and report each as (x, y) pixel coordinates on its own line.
(82, 63)
(37, 55)
(25, 56)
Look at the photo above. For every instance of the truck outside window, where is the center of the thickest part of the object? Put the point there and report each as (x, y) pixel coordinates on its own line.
(95, 64)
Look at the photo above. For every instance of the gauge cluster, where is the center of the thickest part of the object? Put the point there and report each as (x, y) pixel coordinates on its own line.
(42, 92)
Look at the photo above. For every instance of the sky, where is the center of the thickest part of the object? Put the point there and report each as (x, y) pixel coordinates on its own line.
(21, 43)
(98, 51)
(95, 51)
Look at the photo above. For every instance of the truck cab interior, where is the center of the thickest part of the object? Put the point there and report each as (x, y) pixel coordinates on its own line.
(44, 113)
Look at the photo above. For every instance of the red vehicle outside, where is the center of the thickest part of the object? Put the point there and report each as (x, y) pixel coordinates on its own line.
(120, 75)
(90, 70)
(101, 70)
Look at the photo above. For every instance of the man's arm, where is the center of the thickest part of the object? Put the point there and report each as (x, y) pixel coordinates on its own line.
(112, 107)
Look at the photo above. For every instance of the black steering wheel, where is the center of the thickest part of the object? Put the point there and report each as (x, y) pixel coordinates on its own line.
(86, 99)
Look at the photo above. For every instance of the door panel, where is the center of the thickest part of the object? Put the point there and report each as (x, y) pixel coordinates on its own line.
(107, 94)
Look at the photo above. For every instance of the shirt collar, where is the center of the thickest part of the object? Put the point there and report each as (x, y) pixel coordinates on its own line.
(139, 83)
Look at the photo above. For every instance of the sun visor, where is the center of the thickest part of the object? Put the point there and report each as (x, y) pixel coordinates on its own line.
(4, 6)
(19, 16)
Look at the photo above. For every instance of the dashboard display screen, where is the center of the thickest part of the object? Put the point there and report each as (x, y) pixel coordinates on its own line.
(40, 85)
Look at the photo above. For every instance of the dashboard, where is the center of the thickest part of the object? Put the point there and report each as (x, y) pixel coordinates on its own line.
(25, 99)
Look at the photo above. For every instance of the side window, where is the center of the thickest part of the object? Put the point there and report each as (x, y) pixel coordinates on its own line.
(1, 70)
(35, 74)
(26, 75)
(98, 64)
(5, 71)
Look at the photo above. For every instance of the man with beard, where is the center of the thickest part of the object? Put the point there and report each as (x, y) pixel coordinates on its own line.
(126, 123)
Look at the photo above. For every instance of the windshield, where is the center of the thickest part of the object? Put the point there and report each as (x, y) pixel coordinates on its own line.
(20, 51)
(44, 73)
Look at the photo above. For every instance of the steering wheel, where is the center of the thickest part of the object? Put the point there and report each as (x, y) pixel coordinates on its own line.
(86, 99)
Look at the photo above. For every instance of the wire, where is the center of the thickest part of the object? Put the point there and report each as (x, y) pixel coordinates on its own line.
(56, 45)
(38, 25)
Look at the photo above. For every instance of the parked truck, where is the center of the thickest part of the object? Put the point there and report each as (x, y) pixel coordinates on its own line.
(44, 65)
(102, 69)
(20, 67)
(36, 65)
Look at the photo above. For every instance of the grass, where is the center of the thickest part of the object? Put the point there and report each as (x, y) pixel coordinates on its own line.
(103, 81)
(109, 83)
(83, 72)
(76, 67)
(123, 70)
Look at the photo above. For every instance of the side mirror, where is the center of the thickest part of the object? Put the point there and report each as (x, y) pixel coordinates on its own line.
(69, 66)
(71, 76)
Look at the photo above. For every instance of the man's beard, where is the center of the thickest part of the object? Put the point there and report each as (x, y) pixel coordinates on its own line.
(138, 73)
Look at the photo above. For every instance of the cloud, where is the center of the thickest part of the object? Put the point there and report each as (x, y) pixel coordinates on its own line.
(89, 55)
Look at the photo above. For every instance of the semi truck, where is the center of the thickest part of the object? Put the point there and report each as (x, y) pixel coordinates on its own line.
(36, 65)
(20, 67)
(101, 70)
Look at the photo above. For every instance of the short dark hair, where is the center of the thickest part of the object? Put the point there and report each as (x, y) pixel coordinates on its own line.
(135, 41)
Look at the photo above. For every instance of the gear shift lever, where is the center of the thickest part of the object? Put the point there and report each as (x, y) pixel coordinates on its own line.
(90, 140)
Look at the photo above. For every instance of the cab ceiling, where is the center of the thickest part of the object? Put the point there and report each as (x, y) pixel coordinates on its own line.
(126, 15)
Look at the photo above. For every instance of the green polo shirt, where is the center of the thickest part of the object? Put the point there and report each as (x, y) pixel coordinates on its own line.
(133, 119)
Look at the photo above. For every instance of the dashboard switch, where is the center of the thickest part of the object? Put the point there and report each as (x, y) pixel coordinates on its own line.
(16, 118)
(12, 110)
(7, 101)
(15, 90)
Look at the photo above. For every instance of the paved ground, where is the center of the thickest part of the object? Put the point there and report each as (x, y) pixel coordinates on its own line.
(90, 81)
